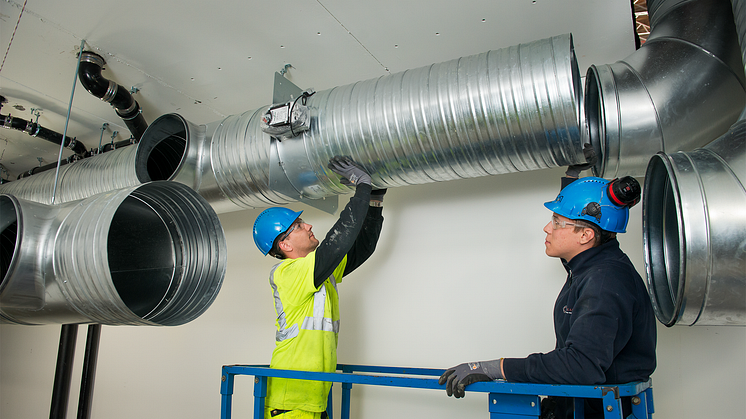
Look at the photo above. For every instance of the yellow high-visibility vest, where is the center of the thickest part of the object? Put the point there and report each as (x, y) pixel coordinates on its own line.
(307, 329)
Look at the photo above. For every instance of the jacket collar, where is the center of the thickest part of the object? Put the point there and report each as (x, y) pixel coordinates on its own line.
(582, 258)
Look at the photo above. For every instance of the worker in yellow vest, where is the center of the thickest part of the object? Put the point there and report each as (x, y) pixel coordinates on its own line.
(304, 286)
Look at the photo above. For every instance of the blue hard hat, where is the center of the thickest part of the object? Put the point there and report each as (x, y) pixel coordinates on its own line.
(590, 199)
(271, 223)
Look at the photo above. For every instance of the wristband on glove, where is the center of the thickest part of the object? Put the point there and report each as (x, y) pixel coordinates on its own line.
(376, 197)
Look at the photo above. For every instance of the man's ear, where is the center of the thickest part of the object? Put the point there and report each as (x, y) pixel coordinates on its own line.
(285, 246)
(588, 236)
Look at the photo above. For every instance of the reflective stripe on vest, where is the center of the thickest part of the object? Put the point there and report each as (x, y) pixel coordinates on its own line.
(317, 322)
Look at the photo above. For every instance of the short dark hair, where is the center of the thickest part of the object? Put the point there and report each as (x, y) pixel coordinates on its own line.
(275, 250)
(600, 236)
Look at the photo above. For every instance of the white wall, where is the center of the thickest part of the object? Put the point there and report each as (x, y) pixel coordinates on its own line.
(460, 275)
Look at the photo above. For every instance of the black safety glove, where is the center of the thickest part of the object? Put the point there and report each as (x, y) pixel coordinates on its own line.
(460, 376)
(590, 160)
(351, 172)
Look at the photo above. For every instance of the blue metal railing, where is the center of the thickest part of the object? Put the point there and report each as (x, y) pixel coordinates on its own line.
(506, 400)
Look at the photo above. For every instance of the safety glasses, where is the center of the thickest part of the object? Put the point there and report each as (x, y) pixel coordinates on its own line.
(557, 223)
(295, 224)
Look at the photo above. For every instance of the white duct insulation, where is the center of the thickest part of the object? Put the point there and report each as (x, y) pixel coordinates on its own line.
(683, 88)
(694, 226)
(153, 254)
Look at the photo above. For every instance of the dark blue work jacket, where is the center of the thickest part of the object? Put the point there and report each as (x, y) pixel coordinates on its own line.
(604, 325)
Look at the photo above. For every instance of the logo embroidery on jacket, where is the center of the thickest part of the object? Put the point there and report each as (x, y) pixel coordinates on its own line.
(566, 310)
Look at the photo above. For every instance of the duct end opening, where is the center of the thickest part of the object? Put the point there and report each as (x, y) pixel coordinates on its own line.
(577, 83)
(8, 237)
(594, 117)
(166, 253)
(162, 149)
(25, 293)
(663, 241)
(142, 255)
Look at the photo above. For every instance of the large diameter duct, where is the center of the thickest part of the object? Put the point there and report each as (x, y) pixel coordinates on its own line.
(694, 226)
(508, 110)
(153, 254)
(680, 90)
(503, 111)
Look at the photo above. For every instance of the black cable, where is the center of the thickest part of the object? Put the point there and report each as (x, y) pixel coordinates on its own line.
(304, 96)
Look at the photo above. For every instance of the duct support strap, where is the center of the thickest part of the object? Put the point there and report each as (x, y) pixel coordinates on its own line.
(508, 110)
(694, 226)
(154, 254)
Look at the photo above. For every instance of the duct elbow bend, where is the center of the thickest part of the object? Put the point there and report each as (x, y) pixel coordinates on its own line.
(683, 88)
(90, 76)
(120, 99)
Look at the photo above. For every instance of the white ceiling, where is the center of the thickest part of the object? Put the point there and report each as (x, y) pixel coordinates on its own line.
(208, 60)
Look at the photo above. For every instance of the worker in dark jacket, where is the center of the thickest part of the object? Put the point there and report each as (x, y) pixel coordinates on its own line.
(604, 323)
(304, 286)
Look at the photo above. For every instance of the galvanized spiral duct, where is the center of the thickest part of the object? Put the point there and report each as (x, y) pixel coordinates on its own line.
(153, 254)
(694, 226)
(684, 87)
(102, 173)
(502, 111)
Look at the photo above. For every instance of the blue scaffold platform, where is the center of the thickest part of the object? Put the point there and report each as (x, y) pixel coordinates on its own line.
(506, 400)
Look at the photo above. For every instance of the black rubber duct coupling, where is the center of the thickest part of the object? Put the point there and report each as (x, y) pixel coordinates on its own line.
(36, 130)
(120, 98)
